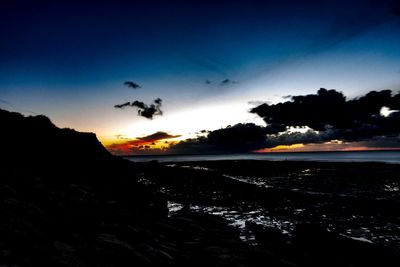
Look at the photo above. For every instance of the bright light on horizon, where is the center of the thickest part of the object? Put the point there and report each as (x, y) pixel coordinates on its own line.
(385, 111)
(189, 122)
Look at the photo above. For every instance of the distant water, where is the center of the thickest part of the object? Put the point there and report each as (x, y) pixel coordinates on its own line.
(337, 156)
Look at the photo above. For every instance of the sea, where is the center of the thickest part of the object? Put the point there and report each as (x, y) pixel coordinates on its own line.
(361, 227)
(392, 157)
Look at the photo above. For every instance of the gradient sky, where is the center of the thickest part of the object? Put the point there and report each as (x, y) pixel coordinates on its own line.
(69, 59)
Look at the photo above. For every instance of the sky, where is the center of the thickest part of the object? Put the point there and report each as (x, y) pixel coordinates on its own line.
(209, 62)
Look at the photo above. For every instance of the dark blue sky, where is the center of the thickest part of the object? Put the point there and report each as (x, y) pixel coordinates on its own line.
(68, 59)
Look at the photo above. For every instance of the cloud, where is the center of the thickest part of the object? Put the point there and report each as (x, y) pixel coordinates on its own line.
(241, 138)
(157, 136)
(224, 82)
(383, 142)
(328, 114)
(227, 82)
(148, 111)
(330, 109)
(121, 137)
(237, 138)
(144, 110)
(332, 117)
(141, 145)
(132, 85)
(126, 104)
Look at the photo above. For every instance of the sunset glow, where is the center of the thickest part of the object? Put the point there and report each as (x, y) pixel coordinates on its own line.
(281, 148)
(206, 70)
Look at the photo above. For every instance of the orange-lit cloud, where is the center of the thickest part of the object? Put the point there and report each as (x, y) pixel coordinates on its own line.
(150, 144)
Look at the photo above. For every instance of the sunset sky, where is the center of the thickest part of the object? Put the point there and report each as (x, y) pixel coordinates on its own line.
(210, 62)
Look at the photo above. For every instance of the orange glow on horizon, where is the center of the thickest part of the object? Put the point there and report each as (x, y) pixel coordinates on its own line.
(364, 148)
(280, 148)
(328, 146)
(137, 146)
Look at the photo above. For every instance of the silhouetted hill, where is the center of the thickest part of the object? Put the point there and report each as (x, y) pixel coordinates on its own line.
(38, 139)
(60, 190)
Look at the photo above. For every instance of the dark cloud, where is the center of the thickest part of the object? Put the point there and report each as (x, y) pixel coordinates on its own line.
(328, 114)
(232, 139)
(290, 138)
(237, 138)
(330, 109)
(157, 136)
(158, 101)
(227, 82)
(126, 104)
(332, 117)
(148, 111)
(132, 85)
(138, 104)
(144, 110)
(248, 135)
(224, 82)
(383, 142)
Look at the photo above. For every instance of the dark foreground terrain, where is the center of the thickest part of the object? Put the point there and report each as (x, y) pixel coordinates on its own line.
(65, 201)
